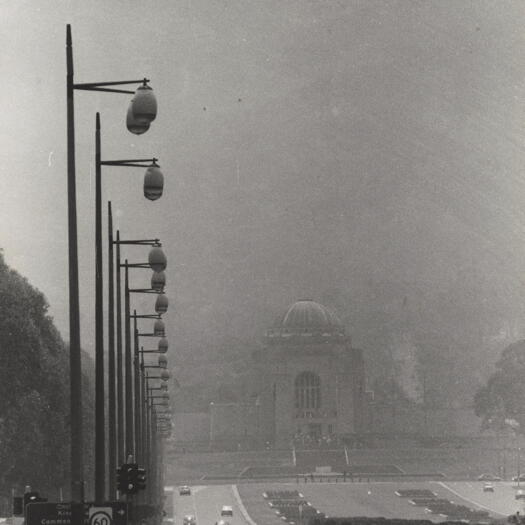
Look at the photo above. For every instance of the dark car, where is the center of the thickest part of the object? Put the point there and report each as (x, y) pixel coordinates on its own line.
(184, 491)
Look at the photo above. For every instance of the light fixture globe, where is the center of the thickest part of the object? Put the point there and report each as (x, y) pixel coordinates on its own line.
(159, 329)
(153, 182)
(144, 105)
(164, 375)
(163, 345)
(161, 304)
(163, 361)
(157, 259)
(158, 281)
(133, 125)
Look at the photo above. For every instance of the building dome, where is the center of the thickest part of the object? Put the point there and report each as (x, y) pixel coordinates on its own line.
(307, 321)
(307, 315)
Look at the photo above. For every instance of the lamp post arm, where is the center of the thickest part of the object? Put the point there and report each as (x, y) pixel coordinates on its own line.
(99, 86)
(110, 83)
(146, 290)
(141, 242)
(107, 90)
(128, 162)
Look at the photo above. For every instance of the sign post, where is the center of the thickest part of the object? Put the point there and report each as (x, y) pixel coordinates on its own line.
(112, 513)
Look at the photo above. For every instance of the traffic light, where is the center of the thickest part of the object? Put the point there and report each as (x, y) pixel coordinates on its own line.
(33, 497)
(130, 478)
(122, 482)
(126, 478)
(141, 478)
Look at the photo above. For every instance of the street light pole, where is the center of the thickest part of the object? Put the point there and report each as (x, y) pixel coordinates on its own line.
(124, 381)
(136, 389)
(75, 371)
(142, 111)
(112, 422)
(121, 448)
(127, 366)
(100, 446)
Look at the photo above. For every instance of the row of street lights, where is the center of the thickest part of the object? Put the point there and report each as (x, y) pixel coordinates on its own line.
(130, 407)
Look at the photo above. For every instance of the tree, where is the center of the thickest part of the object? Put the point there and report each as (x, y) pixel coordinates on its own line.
(502, 399)
(34, 390)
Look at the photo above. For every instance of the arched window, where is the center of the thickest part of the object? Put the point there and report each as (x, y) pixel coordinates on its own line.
(307, 391)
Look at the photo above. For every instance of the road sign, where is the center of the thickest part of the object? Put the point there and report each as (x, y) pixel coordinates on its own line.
(111, 513)
(100, 516)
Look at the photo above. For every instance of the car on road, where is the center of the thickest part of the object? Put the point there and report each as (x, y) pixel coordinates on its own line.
(189, 519)
(488, 487)
(488, 477)
(520, 494)
(227, 510)
(184, 491)
(521, 478)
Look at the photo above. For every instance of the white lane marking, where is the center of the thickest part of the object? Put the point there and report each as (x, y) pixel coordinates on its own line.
(194, 506)
(445, 486)
(241, 506)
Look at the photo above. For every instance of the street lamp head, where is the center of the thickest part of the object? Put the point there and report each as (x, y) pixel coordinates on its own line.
(153, 182)
(159, 329)
(144, 105)
(161, 304)
(163, 361)
(158, 281)
(165, 375)
(163, 345)
(133, 125)
(157, 259)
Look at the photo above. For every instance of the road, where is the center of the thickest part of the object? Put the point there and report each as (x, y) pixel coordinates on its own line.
(205, 504)
(501, 502)
(343, 499)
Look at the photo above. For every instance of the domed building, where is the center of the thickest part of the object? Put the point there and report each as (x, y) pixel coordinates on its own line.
(311, 379)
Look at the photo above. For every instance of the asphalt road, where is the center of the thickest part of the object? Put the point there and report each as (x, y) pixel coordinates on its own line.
(205, 504)
(345, 499)
(501, 502)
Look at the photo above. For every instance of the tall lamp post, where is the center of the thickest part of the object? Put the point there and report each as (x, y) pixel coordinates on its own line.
(153, 186)
(143, 110)
(151, 442)
(120, 387)
(157, 260)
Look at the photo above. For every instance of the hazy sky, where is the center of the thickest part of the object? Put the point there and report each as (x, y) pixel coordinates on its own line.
(305, 144)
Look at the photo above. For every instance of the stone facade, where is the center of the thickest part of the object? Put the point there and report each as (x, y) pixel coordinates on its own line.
(311, 379)
(309, 387)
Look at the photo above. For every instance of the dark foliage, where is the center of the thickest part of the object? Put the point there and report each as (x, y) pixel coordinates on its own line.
(501, 400)
(34, 391)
